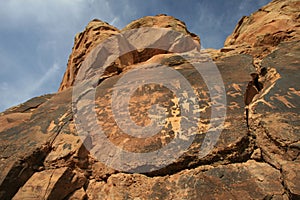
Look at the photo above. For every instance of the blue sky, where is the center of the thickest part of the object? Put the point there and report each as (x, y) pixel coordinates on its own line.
(36, 36)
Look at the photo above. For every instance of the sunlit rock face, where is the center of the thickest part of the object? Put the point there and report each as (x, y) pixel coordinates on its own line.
(260, 33)
(97, 31)
(144, 113)
(273, 23)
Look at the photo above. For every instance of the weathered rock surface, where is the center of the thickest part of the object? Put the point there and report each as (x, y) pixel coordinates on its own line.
(48, 153)
(251, 180)
(51, 184)
(260, 33)
(162, 21)
(97, 31)
(274, 23)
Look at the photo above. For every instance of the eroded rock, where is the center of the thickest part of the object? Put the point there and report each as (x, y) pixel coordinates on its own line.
(51, 184)
(251, 180)
(44, 154)
(291, 177)
(269, 26)
(95, 32)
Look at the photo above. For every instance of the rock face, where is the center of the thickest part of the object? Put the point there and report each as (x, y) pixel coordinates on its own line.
(97, 31)
(260, 33)
(223, 182)
(51, 184)
(274, 23)
(76, 144)
(161, 21)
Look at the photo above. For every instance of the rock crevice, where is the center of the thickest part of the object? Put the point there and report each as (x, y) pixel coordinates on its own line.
(45, 154)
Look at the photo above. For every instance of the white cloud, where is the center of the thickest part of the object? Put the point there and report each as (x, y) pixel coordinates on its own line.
(17, 91)
(41, 8)
(47, 77)
(3, 86)
(11, 95)
(34, 34)
(44, 30)
(113, 22)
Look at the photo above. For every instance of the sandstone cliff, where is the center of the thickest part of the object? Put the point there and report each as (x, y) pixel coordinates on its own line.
(97, 31)
(272, 24)
(51, 148)
(261, 32)
(83, 44)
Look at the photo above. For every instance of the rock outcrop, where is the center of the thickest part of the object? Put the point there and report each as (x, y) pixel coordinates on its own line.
(260, 33)
(162, 21)
(270, 25)
(76, 144)
(97, 31)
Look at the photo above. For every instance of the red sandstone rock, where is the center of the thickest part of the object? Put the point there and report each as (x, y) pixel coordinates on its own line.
(43, 155)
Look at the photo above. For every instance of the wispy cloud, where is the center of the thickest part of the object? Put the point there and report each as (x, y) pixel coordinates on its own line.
(113, 22)
(50, 74)
(36, 36)
(16, 91)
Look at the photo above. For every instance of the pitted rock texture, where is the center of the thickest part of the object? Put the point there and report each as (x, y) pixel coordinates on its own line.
(45, 156)
(97, 31)
(222, 182)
